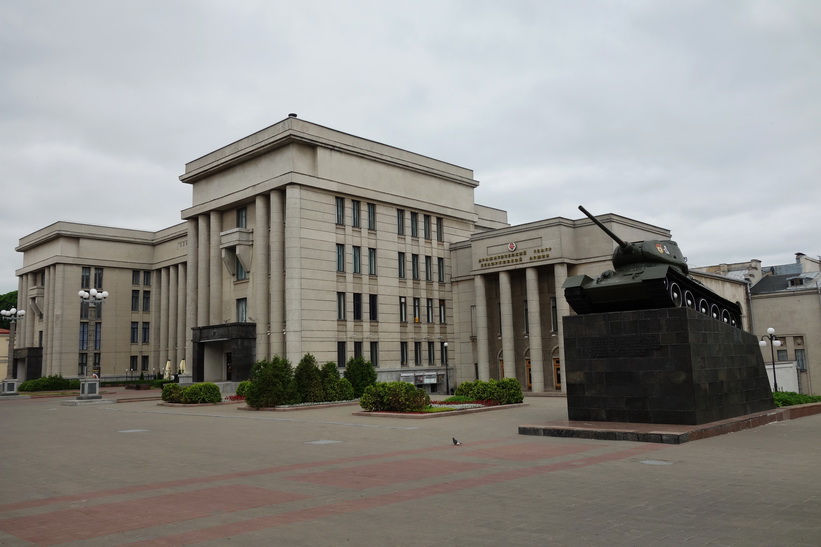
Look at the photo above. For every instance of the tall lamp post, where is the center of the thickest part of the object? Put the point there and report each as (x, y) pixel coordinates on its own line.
(13, 315)
(774, 343)
(89, 385)
(447, 375)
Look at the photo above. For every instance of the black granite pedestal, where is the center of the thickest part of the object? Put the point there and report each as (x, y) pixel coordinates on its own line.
(661, 366)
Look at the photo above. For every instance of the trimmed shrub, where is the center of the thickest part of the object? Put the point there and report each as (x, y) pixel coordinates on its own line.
(172, 393)
(48, 383)
(507, 391)
(309, 380)
(329, 375)
(790, 398)
(361, 374)
(395, 397)
(272, 384)
(344, 390)
(205, 392)
(242, 388)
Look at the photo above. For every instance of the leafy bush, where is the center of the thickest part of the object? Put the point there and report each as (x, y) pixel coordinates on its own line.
(329, 375)
(504, 392)
(309, 380)
(242, 388)
(790, 398)
(272, 384)
(458, 399)
(205, 392)
(48, 383)
(361, 374)
(172, 393)
(395, 397)
(344, 390)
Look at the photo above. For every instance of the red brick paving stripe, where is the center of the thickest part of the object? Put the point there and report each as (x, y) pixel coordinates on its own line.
(350, 506)
(111, 518)
(530, 452)
(381, 474)
(216, 478)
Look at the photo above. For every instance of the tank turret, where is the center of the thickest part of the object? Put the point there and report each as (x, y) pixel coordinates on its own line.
(646, 275)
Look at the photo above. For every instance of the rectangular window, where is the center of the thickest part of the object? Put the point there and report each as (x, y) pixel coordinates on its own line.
(340, 257)
(443, 316)
(401, 265)
(781, 355)
(242, 275)
(429, 310)
(135, 277)
(373, 307)
(801, 359)
(85, 278)
(375, 354)
(340, 211)
(526, 317)
(146, 300)
(440, 269)
(146, 332)
(84, 310)
(145, 362)
(428, 268)
(371, 261)
(554, 314)
(340, 306)
(135, 332)
(443, 351)
(147, 279)
(415, 266)
(426, 226)
(356, 213)
(431, 353)
(98, 336)
(440, 229)
(400, 222)
(83, 336)
(403, 310)
(371, 216)
(98, 278)
(135, 300)
(417, 354)
(133, 362)
(357, 259)
(357, 306)
(357, 350)
(417, 310)
(242, 310)
(242, 217)
(414, 219)
(82, 364)
(341, 354)
(403, 354)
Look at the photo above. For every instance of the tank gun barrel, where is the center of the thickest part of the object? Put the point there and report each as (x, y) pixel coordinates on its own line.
(623, 244)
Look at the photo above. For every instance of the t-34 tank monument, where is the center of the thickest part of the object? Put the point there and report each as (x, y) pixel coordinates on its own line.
(652, 345)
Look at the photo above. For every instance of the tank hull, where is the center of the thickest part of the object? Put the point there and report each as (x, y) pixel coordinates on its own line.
(647, 287)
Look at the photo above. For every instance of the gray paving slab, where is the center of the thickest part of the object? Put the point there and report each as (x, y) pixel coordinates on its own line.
(143, 474)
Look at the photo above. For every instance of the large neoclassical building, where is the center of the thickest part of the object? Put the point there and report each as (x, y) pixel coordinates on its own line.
(303, 239)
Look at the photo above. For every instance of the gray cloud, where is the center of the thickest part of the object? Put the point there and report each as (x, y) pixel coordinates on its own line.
(698, 116)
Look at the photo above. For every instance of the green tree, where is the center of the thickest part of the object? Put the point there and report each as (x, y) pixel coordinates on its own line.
(361, 374)
(272, 384)
(308, 380)
(7, 302)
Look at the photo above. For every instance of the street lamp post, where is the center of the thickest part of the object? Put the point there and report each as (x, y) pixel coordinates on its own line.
(774, 343)
(13, 315)
(447, 375)
(90, 385)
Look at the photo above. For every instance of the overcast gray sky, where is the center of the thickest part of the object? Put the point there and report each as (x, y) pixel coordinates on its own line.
(703, 117)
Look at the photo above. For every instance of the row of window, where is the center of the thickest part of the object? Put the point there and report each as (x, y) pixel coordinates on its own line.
(356, 259)
(402, 263)
(135, 360)
(415, 267)
(356, 213)
(135, 301)
(427, 229)
(423, 353)
(85, 278)
(84, 335)
(82, 364)
(135, 332)
(427, 315)
(137, 276)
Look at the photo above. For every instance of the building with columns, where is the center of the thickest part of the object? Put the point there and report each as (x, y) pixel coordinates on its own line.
(303, 239)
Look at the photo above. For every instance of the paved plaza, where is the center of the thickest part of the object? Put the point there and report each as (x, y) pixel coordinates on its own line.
(142, 474)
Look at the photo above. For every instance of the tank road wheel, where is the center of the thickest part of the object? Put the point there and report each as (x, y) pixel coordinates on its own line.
(714, 312)
(689, 300)
(703, 307)
(675, 295)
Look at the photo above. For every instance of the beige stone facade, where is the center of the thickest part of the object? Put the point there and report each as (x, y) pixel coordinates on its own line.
(302, 239)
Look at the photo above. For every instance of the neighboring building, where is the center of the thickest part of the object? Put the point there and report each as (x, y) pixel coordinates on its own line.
(302, 239)
(786, 298)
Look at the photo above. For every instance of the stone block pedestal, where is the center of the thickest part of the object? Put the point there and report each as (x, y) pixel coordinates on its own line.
(663, 366)
(89, 389)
